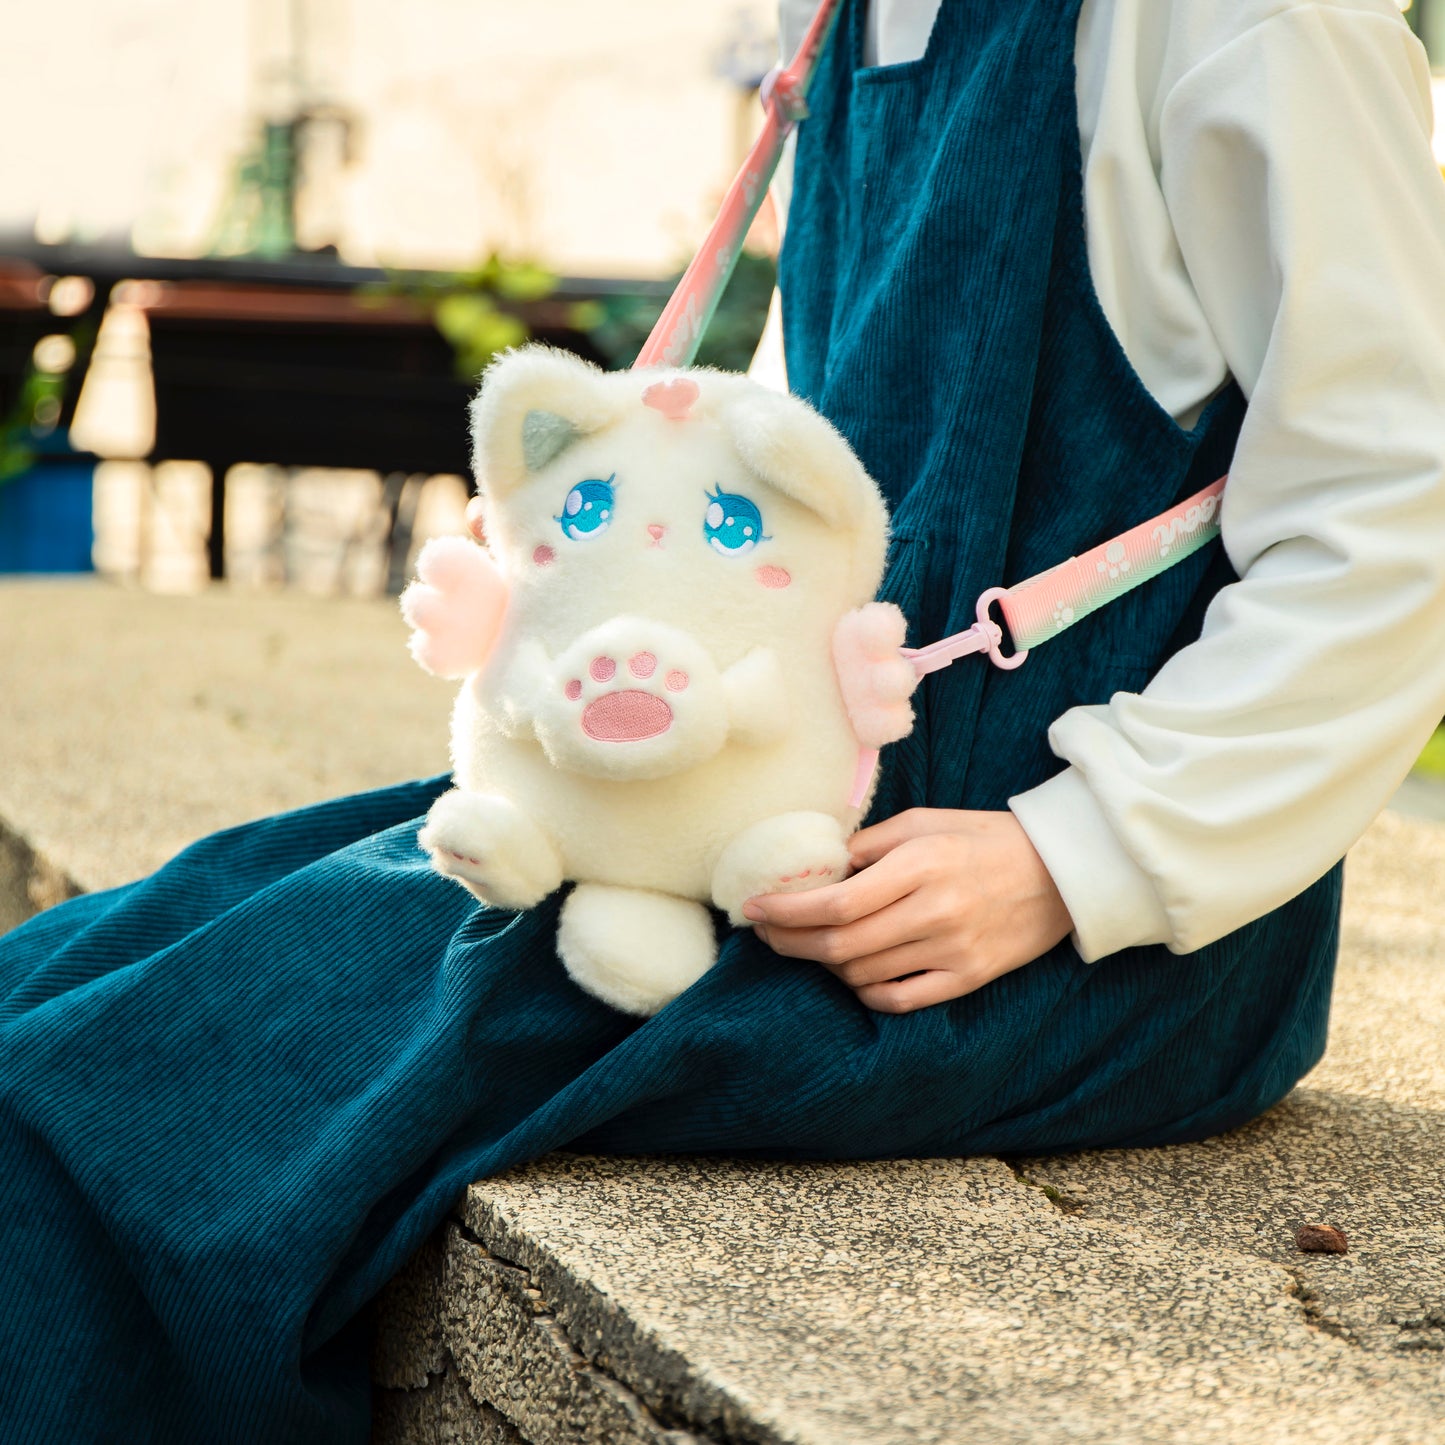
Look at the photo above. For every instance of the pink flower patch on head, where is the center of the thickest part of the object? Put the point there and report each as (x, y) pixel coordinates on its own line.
(772, 576)
(674, 399)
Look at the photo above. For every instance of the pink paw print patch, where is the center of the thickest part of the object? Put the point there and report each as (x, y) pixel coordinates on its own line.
(632, 698)
(627, 704)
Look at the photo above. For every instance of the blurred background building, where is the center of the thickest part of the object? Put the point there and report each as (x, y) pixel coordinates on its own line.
(590, 138)
(253, 253)
(273, 233)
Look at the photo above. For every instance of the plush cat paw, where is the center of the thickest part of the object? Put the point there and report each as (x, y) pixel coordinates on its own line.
(788, 853)
(491, 848)
(632, 948)
(757, 694)
(455, 607)
(876, 681)
(632, 698)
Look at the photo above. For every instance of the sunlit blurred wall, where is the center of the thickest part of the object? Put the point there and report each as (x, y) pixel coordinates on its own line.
(593, 137)
(105, 108)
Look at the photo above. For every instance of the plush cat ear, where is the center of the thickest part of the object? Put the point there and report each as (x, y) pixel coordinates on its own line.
(535, 402)
(796, 452)
(545, 435)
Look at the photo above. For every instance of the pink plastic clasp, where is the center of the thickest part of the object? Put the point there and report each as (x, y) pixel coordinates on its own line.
(984, 636)
(1014, 659)
(785, 87)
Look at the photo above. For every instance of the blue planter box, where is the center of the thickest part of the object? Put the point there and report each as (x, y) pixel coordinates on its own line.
(45, 513)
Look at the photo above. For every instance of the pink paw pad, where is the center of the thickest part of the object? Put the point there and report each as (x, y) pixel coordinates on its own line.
(465, 858)
(614, 711)
(819, 872)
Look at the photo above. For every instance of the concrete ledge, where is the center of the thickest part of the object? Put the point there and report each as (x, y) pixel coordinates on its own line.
(134, 724)
(911, 1302)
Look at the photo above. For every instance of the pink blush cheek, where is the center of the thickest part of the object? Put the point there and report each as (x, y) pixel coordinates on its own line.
(774, 577)
(543, 556)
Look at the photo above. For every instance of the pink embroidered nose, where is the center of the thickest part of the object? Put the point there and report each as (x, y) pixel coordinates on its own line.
(674, 399)
(655, 531)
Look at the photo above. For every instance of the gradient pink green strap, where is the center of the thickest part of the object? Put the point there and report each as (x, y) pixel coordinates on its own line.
(1036, 609)
(679, 330)
(1043, 606)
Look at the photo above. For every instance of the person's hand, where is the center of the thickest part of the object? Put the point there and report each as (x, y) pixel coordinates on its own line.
(945, 901)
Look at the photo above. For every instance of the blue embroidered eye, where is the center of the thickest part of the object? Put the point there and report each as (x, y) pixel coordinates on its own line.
(587, 512)
(733, 524)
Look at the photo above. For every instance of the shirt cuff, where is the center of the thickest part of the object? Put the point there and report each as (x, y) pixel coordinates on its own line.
(1110, 898)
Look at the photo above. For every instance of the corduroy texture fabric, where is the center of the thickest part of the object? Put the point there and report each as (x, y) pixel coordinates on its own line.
(236, 1095)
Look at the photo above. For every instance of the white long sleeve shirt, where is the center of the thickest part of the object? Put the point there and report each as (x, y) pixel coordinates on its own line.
(1261, 202)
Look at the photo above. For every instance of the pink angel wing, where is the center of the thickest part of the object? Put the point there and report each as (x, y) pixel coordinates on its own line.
(455, 607)
(875, 680)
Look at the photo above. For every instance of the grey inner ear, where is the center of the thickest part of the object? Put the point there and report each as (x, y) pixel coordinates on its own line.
(544, 436)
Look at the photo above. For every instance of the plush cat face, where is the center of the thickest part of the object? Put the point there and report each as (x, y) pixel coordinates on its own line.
(696, 497)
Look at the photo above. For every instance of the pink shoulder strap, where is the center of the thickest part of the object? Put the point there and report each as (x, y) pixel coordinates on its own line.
(1041, 607)
(675, 337)
(1034, 610)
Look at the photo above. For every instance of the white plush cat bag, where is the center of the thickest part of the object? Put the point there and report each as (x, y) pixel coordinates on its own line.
(671, 659)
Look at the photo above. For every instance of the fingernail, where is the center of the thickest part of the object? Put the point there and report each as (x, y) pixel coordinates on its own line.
(751, 910)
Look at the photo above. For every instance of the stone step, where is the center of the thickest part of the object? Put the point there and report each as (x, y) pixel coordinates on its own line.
(1160, 1298)
(136, 723)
